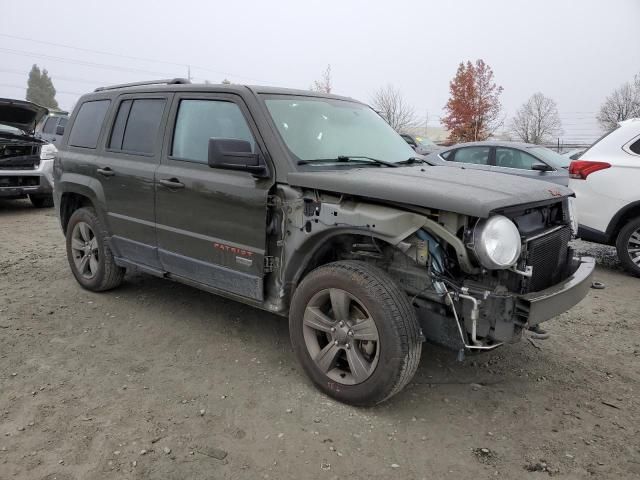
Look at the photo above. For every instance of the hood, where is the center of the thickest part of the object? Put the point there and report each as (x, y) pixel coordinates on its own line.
(469, 192)
(21, 114)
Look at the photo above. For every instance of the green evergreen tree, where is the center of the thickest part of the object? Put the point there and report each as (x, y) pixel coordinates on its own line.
(40, 88)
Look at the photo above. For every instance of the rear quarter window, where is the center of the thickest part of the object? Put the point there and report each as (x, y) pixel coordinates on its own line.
(635, 147)
(88, 123)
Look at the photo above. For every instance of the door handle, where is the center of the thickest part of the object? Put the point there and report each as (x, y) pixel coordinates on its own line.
(172, 183)
(106, 171)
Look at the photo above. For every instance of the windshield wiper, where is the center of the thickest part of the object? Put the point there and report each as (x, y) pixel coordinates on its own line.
(412, 160)
(349, 158)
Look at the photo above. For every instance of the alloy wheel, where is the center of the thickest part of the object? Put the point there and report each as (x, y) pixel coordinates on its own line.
(84, 249)
(341, 336)
(633, 247)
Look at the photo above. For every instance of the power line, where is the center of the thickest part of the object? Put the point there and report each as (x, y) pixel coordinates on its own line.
(84, 63)
(100, 52)
(21, 87)
(56, 77)
(131, 57)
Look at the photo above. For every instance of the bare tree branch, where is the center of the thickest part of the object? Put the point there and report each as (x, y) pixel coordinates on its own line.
(323, 85)
(390, 104)
(537, 120)
(622, 104)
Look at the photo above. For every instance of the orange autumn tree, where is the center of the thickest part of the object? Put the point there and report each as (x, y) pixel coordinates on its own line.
(473, 109)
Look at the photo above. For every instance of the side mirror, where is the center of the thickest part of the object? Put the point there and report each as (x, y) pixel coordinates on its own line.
(60, 130)
(232, 154)
(541, 167)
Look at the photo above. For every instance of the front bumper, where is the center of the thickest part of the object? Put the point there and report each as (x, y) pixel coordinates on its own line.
(550, 302)
(36, 181)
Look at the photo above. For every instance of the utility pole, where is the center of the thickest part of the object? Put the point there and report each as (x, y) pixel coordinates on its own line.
(189, 72)
(426, 123)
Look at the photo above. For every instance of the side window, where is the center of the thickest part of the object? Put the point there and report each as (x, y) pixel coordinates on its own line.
(448, 155)
(511, 158)
(199, 120)
(86, 127)
(50, 125)
(136, 126)
(475, 155)
(635, 147)
(63, 121)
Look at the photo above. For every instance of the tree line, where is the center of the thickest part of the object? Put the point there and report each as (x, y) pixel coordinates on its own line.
(473, 111)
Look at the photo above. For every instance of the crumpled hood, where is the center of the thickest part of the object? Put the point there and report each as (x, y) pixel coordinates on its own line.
(21, 114)
(469, 192)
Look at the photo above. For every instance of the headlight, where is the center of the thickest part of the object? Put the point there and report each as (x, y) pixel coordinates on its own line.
(48, 151)
(573, 216)
(496, 242)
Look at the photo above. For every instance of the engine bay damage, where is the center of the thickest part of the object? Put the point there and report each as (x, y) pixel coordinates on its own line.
(460, 303)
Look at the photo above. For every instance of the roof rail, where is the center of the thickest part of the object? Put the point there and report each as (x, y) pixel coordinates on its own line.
(166, 81)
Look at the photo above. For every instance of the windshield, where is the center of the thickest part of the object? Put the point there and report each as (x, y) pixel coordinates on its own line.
(325, 129)
(424, 141)
(550, 157)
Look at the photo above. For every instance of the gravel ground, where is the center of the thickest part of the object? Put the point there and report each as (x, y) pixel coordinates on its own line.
(156, 380)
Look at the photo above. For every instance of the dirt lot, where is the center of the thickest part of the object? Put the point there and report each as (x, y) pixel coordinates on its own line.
(158, 380)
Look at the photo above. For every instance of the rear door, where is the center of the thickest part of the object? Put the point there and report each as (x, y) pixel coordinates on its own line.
(126, 170)
(476, 157)
(211, 223)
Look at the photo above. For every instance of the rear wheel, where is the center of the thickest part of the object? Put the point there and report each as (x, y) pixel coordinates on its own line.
(41, 201)
(88, 252)
(628, 246)
(354, 332)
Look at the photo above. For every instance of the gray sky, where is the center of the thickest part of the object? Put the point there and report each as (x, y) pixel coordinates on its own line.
(573, 51)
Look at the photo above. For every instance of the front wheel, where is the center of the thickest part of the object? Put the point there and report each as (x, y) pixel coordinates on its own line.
(355, 332)
(628, 246)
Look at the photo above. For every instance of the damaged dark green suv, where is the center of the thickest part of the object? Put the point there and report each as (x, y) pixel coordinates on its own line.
(310, 206)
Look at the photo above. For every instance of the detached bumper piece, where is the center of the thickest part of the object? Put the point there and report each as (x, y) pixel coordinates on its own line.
(540, 306)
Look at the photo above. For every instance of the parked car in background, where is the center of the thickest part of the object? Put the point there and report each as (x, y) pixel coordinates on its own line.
(311, 206)
(513, 158)
(420, 144)
(575, 153)
(606, 180)
(51, 128)
(26, 162)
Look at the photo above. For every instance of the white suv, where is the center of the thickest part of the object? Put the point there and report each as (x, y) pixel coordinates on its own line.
(606, 181)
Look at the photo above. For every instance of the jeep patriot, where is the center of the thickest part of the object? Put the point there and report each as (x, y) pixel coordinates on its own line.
(312, 207)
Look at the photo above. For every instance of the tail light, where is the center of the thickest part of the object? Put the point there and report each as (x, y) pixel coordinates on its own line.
(581, 169)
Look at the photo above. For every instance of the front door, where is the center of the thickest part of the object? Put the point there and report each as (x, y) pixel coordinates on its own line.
(211, 223)
(513, 161)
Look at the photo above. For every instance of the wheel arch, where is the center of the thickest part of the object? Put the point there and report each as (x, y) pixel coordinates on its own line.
(75, 193)
(319, 250)
(619, 220)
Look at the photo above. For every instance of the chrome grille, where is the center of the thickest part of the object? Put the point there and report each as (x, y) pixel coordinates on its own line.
(547, 255)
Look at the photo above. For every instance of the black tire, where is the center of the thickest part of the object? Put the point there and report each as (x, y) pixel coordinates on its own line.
(632, 228)
(399, 333)
(108, 275)
(41, 201)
